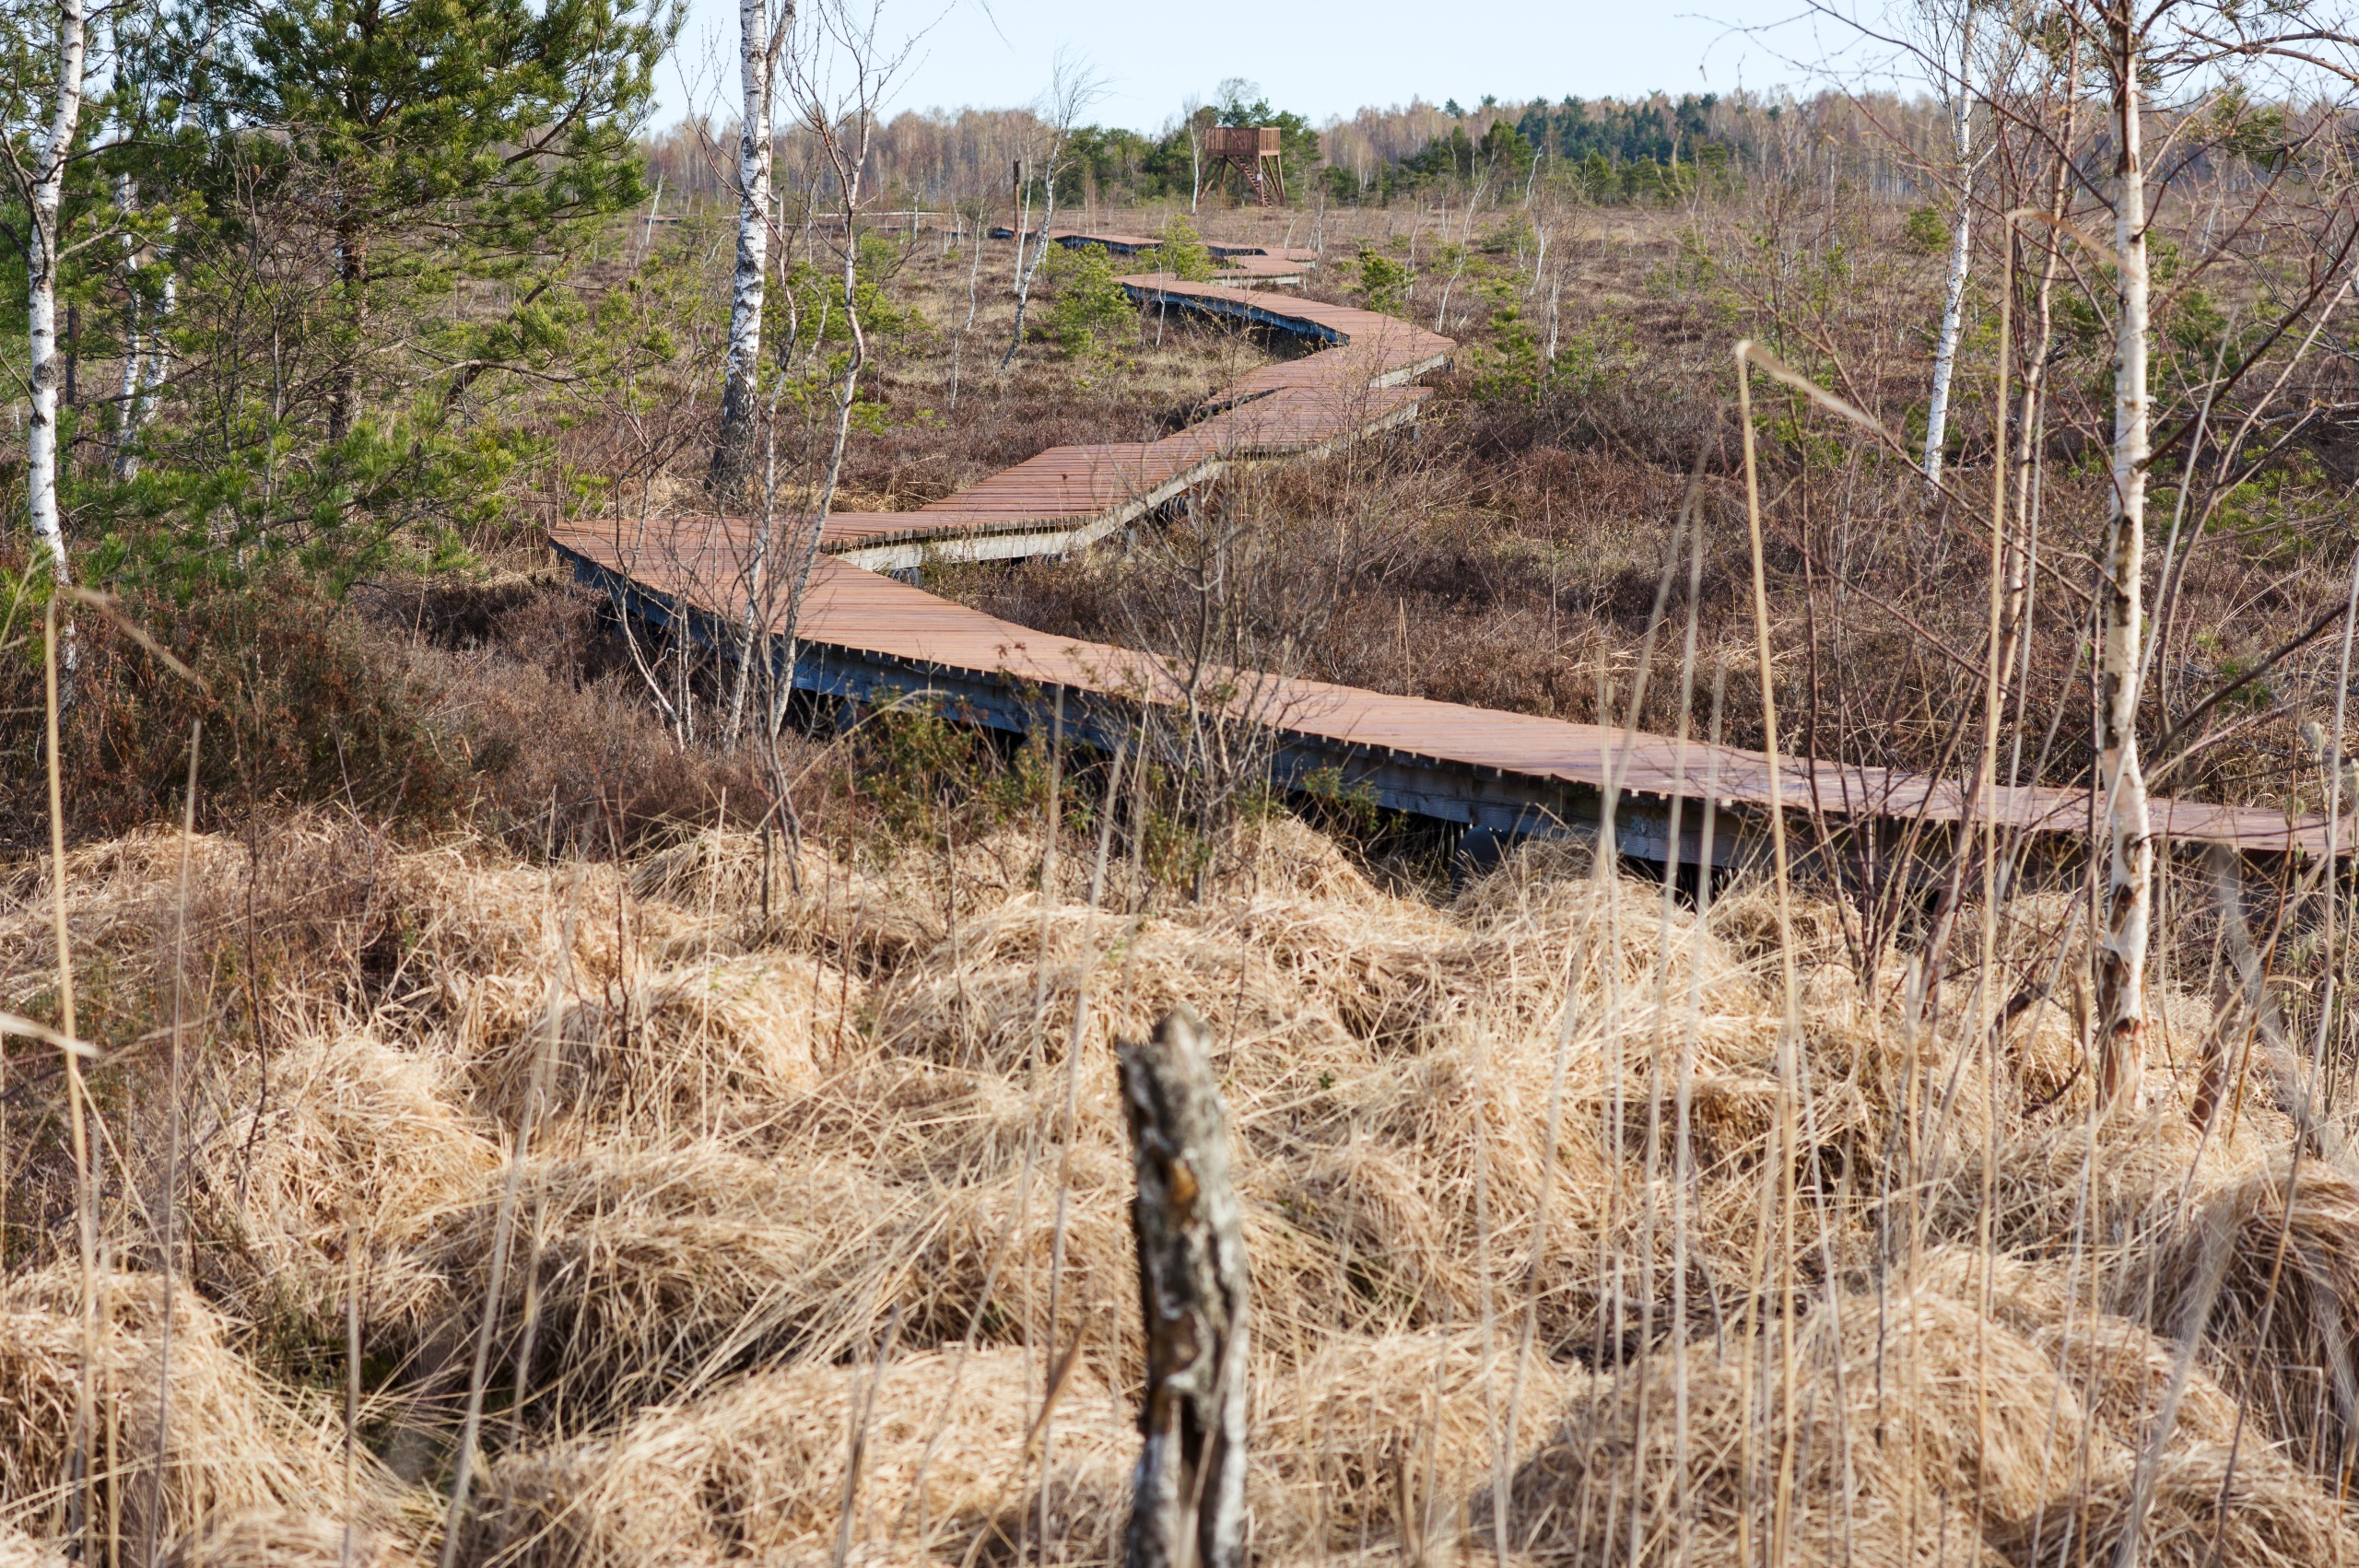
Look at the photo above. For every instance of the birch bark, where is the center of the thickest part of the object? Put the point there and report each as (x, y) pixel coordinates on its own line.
(126, 201)
(152, 349)
(1023, 272)
(760, 37)
(1937, 410)
(47, 193)
(2129, 851)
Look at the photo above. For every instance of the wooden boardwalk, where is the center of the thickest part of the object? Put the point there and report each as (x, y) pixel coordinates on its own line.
(864, 638)
(1068, 498)
(1241, 264)
(869, 638)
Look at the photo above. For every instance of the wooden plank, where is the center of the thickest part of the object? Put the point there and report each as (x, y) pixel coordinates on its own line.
(1067, 497)
(705, 568)
(706, 564)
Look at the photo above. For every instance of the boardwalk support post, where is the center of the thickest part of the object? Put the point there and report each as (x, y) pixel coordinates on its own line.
(1188, 1502)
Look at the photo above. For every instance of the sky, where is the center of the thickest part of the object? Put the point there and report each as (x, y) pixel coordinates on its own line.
(1316, 57)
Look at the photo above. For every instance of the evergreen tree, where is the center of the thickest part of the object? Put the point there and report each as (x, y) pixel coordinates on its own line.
(487, 128)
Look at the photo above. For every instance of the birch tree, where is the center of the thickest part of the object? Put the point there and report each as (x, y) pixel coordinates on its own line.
(1960, 248)
(839, 117)
(761, 36)
(2203, 50)
(2129, 838)
(1073, 87)
(42, 177)
(1191, 120)
(146, 360)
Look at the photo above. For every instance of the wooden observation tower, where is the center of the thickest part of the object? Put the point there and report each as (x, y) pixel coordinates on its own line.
(1252, 152)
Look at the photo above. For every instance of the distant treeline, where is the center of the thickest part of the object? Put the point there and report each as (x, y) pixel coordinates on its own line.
(1607, 149)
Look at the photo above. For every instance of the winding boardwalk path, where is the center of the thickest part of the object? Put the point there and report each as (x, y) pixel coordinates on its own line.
(865, 636)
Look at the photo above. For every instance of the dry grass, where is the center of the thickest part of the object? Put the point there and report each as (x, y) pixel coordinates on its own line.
(237, 1444)
(773, 1149)
(758, 1471)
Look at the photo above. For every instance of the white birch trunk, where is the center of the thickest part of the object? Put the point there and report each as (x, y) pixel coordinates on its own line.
(155, 359)
(1937, 412)
(757, 58)
(1040, 251)
(50, 156)
(143, 356)
(2129, 851)
(155, 365)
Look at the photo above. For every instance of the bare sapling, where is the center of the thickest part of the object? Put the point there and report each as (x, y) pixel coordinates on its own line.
(1188, 1500)
(2141, 53)
(1073, 87)
(841, 126)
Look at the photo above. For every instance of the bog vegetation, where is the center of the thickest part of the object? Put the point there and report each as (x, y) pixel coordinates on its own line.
(553, 1099)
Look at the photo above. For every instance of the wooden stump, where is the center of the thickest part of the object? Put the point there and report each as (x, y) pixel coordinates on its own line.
(1187, 1505)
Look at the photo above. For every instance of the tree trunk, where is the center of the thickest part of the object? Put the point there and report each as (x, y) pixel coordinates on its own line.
(974, 282)
(2129, 851)
(1023, 273)
(1937, 412)
(155, 359)
(126, 201)
(758, 57)
(155, 365)
(352, 274)
(47, 196)
(1188, 1501)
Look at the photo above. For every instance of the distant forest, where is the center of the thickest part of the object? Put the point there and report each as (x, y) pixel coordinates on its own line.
(1608, 149)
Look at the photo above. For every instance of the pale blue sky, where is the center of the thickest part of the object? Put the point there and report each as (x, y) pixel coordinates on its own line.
(1316, 57)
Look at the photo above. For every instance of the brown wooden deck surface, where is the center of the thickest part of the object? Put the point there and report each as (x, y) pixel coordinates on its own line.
(705, 563)
(1351, 389)
(1354, 386)
(1240, 263)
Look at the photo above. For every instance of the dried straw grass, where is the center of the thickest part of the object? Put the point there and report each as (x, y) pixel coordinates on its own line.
(354, 1138)
(2287, 1308)
(18, 1550)
(1387, 1438)
(2264, 1513)
(1926, 1432)
(766, 1138)
(758, 1472)
(647, 1275)
(237, 1444)
(275, 1538)
(678, 1048)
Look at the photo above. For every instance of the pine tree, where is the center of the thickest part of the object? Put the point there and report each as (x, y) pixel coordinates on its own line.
(490, 126)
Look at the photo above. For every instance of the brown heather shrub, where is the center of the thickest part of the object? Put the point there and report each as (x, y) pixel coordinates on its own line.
(504, 707)
(305, 709)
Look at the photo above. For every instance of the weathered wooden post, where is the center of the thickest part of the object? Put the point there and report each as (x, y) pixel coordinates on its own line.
(1187, 1505)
